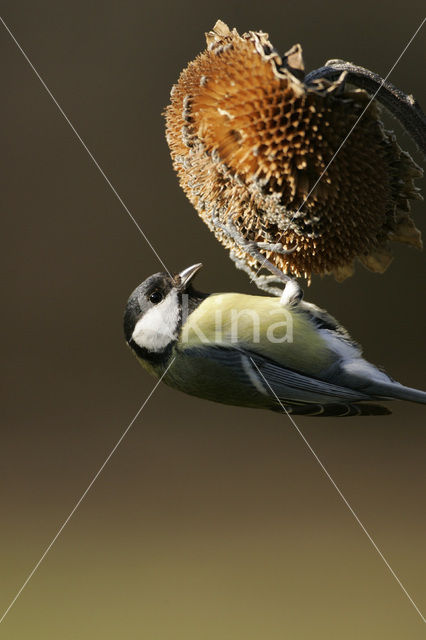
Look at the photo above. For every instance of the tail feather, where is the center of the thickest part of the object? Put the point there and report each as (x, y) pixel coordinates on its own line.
(360, 375)
(397, 391)
(337, 410)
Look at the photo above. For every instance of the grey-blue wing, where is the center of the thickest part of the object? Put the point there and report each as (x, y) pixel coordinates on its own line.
(267, 384)
(301, 395)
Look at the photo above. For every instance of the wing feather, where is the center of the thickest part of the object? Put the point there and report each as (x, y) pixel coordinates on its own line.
(288, 384)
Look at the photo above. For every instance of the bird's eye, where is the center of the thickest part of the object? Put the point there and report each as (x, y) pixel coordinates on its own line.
(156, 297)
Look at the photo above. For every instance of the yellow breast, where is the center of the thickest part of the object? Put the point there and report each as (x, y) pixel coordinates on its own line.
(261, 325)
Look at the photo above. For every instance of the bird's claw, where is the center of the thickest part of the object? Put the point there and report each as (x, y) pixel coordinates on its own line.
(276, 247)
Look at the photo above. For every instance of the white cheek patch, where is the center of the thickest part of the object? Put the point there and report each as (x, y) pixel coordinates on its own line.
(159, 326)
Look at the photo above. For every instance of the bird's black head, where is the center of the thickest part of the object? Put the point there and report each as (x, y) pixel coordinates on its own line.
(153, 314)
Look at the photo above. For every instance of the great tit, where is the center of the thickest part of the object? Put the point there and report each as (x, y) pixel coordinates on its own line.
(254, 351)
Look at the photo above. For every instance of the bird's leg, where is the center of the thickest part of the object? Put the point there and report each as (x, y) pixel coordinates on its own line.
(262, 282)
(266, 283)
(252, 248)
(249, 247)
(276, 247)
(292, 294)
(402, 106)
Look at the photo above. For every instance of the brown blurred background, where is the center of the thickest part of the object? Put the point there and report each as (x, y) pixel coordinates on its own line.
(210, 521)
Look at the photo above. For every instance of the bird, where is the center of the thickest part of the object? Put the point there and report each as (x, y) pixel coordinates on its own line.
(268, 352)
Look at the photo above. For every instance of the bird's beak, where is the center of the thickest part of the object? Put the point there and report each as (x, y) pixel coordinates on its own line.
(185, 276)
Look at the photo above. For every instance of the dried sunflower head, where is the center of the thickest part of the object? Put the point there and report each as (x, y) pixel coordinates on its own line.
(253, 145)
